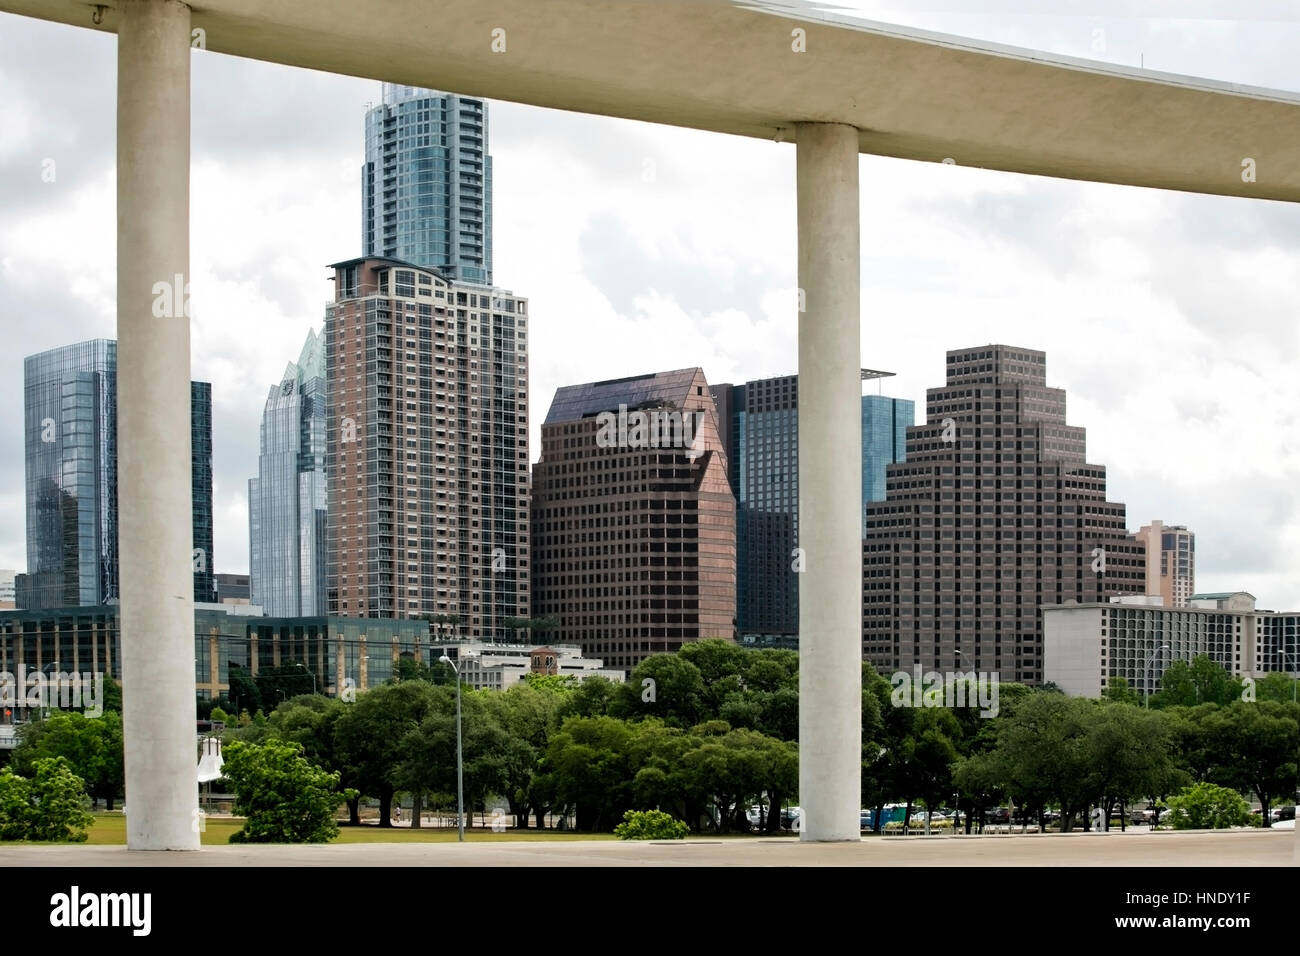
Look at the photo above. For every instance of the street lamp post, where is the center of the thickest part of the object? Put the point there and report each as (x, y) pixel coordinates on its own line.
(1146, 675)
(310, 673)
(1295, 681)
(460, 759)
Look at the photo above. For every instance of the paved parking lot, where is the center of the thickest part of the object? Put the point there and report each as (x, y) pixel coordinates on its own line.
(1239, 848)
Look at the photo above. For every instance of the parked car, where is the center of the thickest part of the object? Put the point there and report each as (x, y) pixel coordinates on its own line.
(1282, 813)
(790, 817)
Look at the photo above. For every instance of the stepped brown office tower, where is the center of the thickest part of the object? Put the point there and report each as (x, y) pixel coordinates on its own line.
(426, 447)
(995, 513)
(634, 535)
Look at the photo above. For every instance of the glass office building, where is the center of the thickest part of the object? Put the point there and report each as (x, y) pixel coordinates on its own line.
(70, 445)
(339, 653)
(885, 422)
(426, 186)
(760, 426)
(287, 500)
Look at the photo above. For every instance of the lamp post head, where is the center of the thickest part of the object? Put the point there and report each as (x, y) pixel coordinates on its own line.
(445, 659)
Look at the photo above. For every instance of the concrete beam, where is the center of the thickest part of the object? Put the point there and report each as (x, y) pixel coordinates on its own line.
(749, 66)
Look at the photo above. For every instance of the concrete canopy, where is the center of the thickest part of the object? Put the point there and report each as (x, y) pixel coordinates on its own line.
(729, 66)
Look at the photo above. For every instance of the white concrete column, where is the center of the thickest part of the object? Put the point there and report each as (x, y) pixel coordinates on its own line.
(155, 515)
(830, 484)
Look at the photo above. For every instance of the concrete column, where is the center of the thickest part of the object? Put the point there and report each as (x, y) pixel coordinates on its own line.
(153, 433)
(830, 484)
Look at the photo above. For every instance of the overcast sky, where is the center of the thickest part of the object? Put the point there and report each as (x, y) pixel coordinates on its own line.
(1171, 320)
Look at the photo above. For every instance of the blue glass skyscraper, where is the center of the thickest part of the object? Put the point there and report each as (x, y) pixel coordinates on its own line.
(885, 422)
(287, 500)
(426, 186)
(70, 442)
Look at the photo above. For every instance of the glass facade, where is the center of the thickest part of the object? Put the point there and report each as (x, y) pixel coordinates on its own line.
(70, 445)
(205, 589)
(334, 650)
(885, 422)
(761, 432)
(287, 500)
(426, 186)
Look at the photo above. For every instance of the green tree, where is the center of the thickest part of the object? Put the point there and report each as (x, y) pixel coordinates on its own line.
(371, 737)
(1118, 691)
(665, 686)
(1044, 753)
(560, 683)
(1276, 687)
(1259, 742)
(662, 780)
(1192, 731)
(285, 798)
(51, 806)
(1176, 687)
(529, 713)
(311, 722)
(730, 767)
(927, 755)
(1205, 806)
(1212, 683)
(594, 697)
(1131, 754)
(15, 804)
(91, 745)
(244, 693)
(590, 770)
(650, 825)
(724, 669)
(283, 682)
(980, 784)
(435, 672)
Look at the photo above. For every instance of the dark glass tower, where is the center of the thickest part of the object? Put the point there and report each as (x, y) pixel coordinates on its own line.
(426, 187)
(759, 422)
(205, 589)
(70, 444)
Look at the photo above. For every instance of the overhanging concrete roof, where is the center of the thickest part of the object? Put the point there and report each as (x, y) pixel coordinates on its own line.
(728, 66)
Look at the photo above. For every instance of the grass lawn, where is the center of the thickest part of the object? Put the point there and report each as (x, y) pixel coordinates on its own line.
(109, 829)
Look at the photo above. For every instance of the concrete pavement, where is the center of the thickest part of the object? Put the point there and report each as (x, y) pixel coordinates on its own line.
(1238, 848)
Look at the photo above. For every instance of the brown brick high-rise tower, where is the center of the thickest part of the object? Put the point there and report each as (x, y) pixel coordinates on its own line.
(427, 447)
(995, 513)
(634, 522)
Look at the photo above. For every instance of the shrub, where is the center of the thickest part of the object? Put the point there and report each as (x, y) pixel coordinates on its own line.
(285, 798)
(1206, 806)
(650, 825)
(50, 806)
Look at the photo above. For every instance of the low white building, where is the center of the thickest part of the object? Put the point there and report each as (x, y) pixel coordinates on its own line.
(1137, 637)
(499, 666)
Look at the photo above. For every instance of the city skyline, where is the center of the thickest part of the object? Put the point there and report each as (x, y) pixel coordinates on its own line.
(1180, 379)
